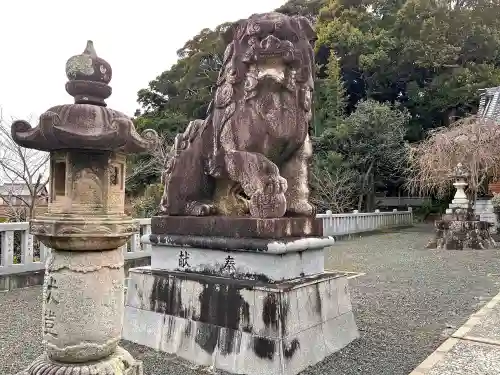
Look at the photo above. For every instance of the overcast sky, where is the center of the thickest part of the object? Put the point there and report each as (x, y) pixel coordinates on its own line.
(138, 38)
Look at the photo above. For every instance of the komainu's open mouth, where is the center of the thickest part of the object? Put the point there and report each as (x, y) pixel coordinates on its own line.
(271, 67)
(272, 56)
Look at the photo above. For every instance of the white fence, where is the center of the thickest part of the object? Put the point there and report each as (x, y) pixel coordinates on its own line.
(352, 223)
(32, 254)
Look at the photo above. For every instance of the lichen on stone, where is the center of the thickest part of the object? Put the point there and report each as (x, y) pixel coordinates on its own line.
(79, 64)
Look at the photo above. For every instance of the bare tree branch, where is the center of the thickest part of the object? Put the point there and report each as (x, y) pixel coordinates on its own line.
(23, 175)
(155, 162)
(333, 190)
(472, 141)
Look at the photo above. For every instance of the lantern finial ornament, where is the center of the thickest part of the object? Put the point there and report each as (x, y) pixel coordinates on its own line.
(89, 76)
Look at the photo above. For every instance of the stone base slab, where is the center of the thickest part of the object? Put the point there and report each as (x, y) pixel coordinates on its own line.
(265, 245)
(265, 266)
(237, 227)
(240, 326)
(120, 363)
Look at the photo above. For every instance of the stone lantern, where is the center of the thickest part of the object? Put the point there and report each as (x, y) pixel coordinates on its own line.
(460, 200)
(83, 294)
(460, 228)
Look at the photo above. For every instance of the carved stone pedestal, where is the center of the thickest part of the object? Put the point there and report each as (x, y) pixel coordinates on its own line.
(462, 235)
(83, 298)
(253, 305)
(462, 230)
(121, 362)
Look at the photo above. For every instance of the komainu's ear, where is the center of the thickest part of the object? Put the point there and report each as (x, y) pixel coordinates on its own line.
(306, 27)
(231, 33)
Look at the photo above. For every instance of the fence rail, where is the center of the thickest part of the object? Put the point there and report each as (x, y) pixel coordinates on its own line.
(359, 222)
(21, 253)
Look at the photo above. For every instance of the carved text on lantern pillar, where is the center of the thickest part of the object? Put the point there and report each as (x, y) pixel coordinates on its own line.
(49, 320)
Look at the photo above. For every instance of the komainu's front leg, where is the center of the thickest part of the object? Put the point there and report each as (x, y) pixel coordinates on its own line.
(295, 171)
(187, 188)
(260, 180)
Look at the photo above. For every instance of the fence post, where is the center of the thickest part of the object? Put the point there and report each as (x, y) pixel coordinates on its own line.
(135, 243)
(146, 231)
(26, 247)
(7, 246)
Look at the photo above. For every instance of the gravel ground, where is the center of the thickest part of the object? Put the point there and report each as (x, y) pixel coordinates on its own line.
(407, 304)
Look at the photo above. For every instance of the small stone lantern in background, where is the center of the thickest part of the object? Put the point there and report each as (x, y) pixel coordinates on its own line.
(83, 294)
(460, 200)
(460, 228)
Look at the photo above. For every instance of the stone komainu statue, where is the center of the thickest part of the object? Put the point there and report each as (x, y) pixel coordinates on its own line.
(250, 156)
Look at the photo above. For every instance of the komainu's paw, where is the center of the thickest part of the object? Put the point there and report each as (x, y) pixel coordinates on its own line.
(274, 185)
(200, 209)
(267, 205)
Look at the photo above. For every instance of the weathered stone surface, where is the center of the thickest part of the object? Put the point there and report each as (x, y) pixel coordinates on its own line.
(240, 326)
(83, 304)
(84, 280)
(250, 156)
(462, 234)
(266, 245)
(268, 266)
(88, 124)
(242, 258)
(237, 227)
(120, 363)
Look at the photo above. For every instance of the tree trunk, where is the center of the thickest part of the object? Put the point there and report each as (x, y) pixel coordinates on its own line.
(370, 199)
(366, 178)
(31, 210)
(360, 201)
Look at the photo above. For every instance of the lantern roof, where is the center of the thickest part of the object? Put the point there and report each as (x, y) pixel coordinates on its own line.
(88, 123)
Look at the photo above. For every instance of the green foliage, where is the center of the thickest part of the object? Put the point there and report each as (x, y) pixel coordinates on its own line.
(388, 70)
(329, 101)
(168, 124)
(139, 177)
(307, 8)
(148, 204)
(185, 90)
(431, 207)
(370, 141)
(430, 56)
